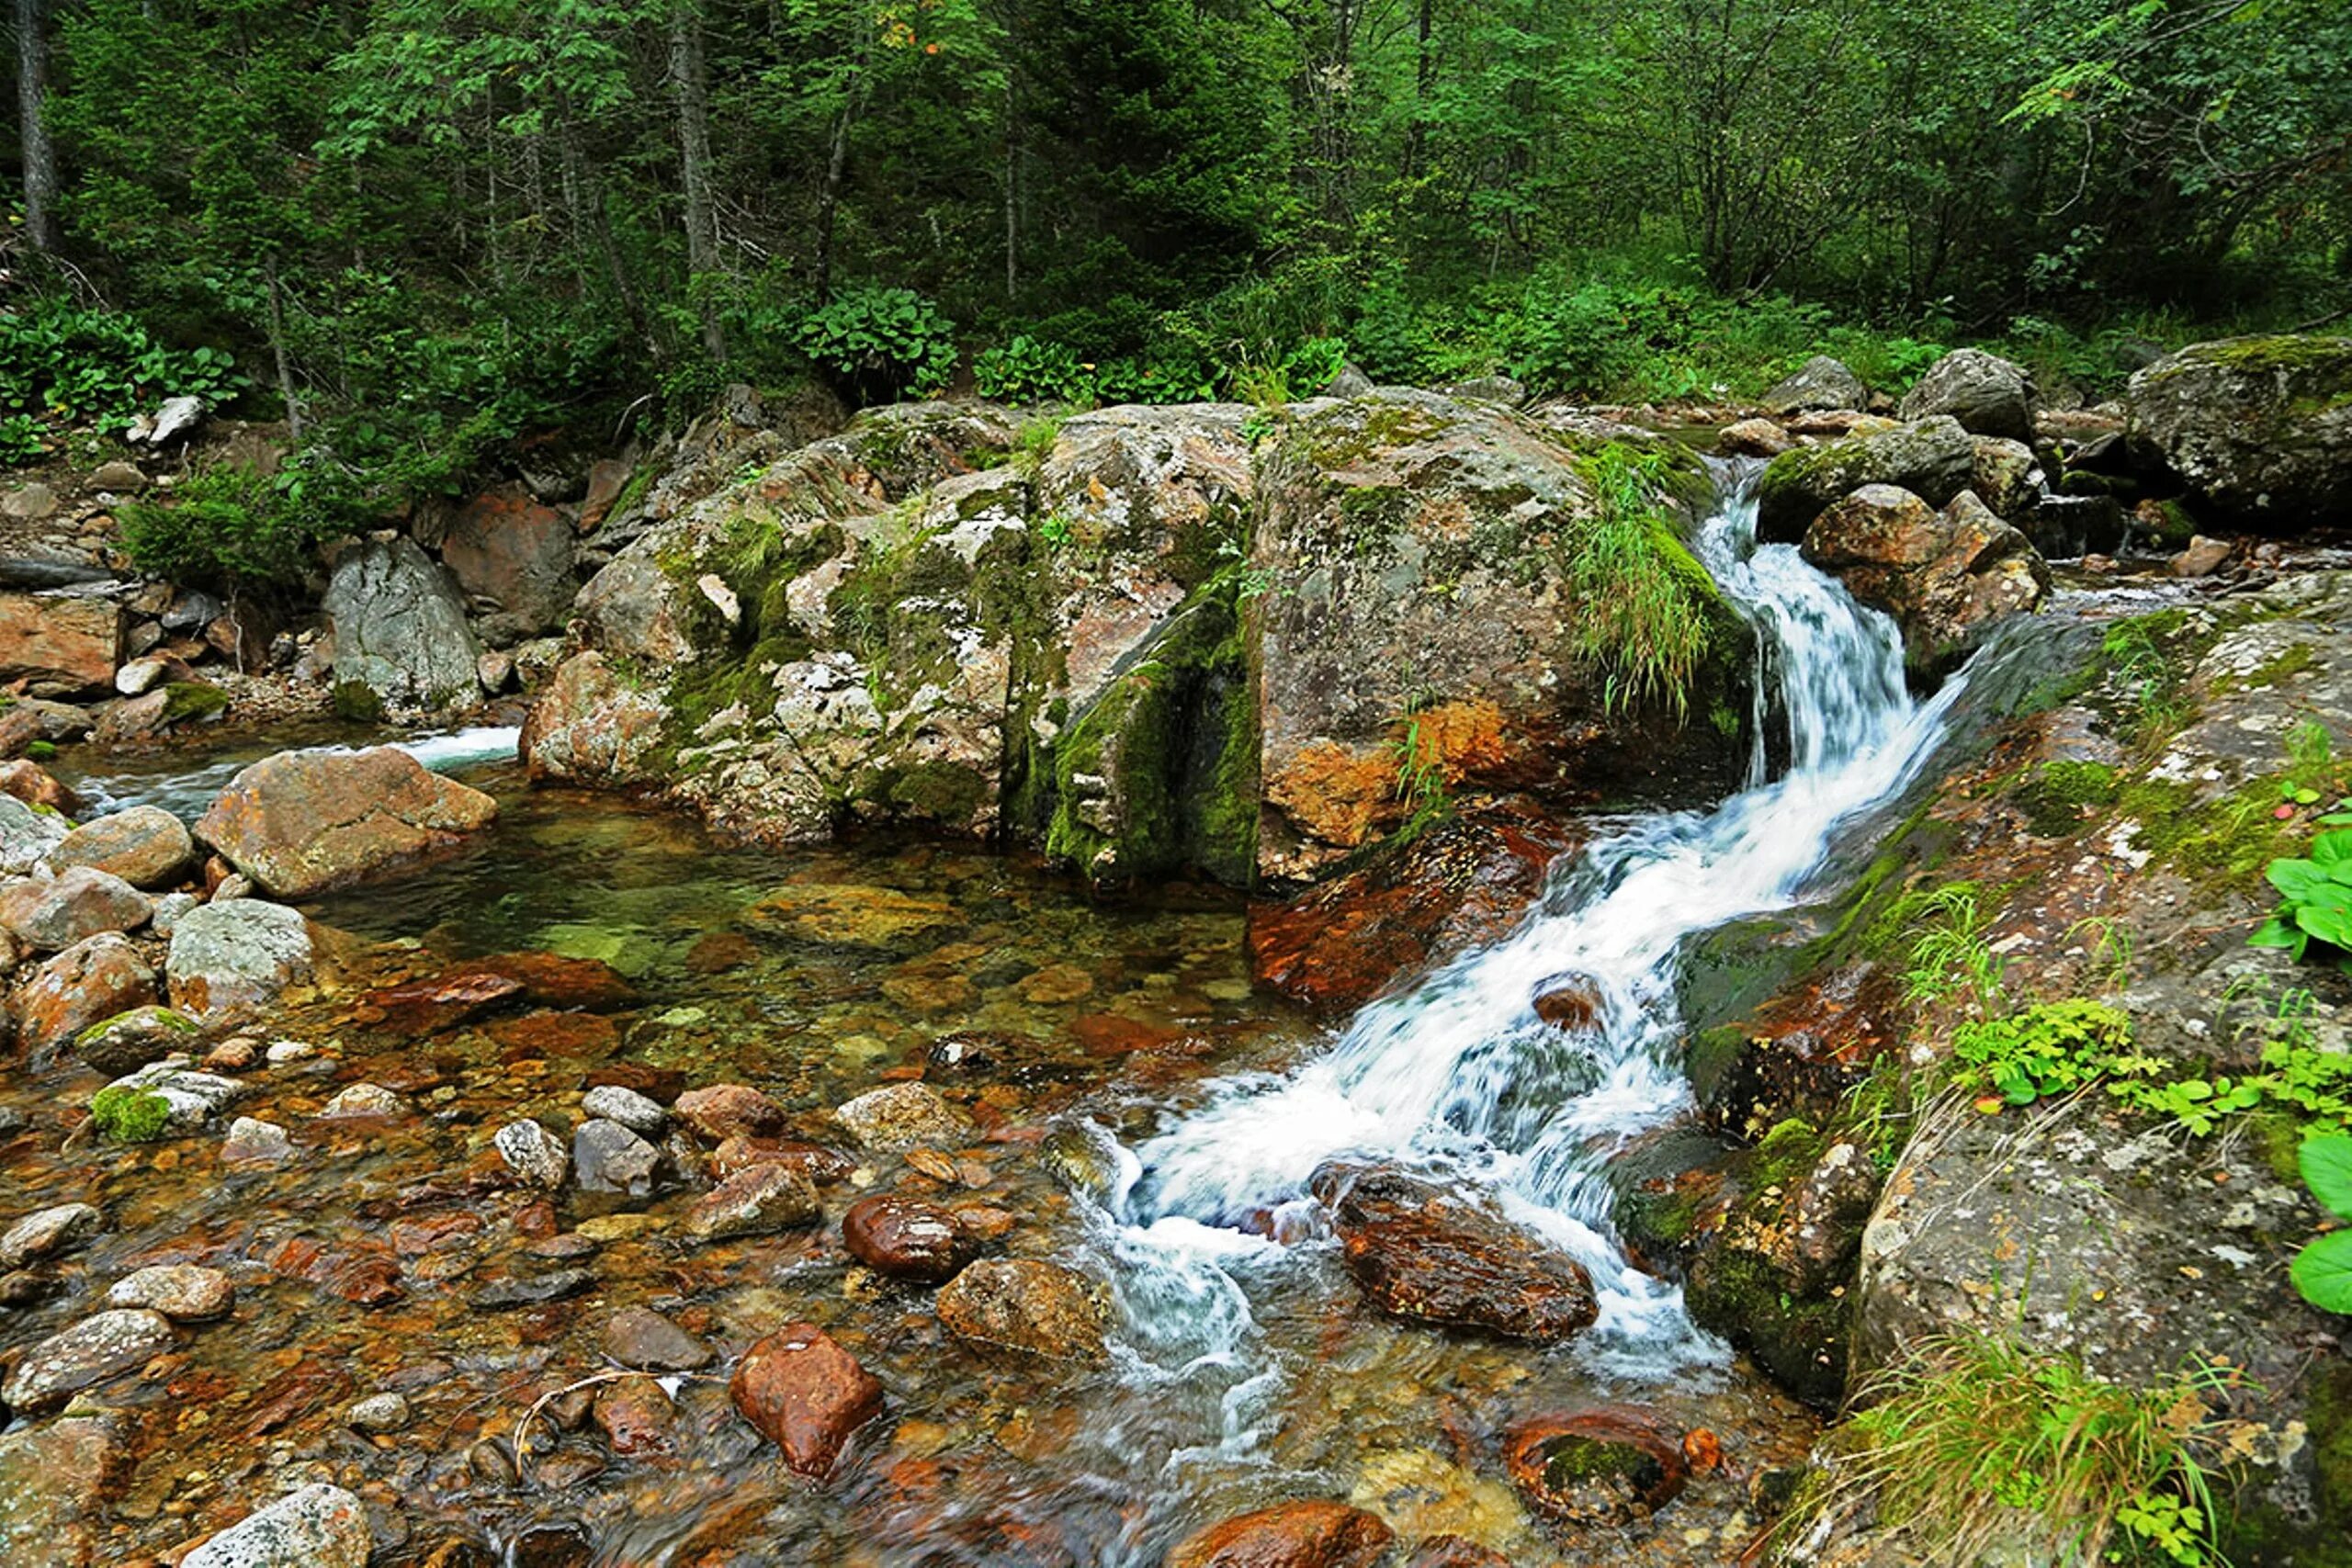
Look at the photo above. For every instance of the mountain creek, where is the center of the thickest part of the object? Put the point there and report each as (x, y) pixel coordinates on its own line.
(1173, 1000)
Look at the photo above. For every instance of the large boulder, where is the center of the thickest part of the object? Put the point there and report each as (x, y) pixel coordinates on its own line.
(2258, 429)
(1420, 1251)
(146, 846)
(593, 724)
(52, 914)
(1819, 383)
(514, 556)
(87, 984)
(1988, 395)
(1429, 622)
(400, 628)
(302, 822)
(62, 643)
(1946, 577)
(231, 961)
(1933, 458)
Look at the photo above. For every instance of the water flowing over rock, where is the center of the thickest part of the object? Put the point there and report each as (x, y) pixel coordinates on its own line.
(1947, 577)
(233, 960)
(1988, 395)
(1598, 1467)
(1312, 1534)
(805, 1395)
(400, 628)
(905, 1238)
(1421, 1252)
(2259, 429)
(302, 822)
(55, 1479)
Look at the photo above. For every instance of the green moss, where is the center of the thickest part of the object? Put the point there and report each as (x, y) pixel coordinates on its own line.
(2174, 524)
(2056, 795)
(2282, 351)
(193, 699)
(633, 495)
(130, 1115)
(2331, 1433)
(41, 751)
(357, 702)
(2289, 664)
(1571, 1462)
(1384, 426)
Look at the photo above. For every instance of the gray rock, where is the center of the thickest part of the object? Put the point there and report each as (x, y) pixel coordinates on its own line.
(123, 478)
(639, 1337)
(1819, 383)
(176, 416)
(904, 1116)
(96, 1349)
(28, 837)
(633, 1110)
(378, 1413)
(47, 1232)
(319, 1526)
(129, 1041)
(1933, 459)
(146, 846)
(195, 1099)
(2259, 430)
(233, 959)
(1988, 395)
(1350, 382)
(757, 1200)
(50, 916)
(168, 910)
(184, 1292)
(608, 1157)
(534, 1154)
(399, 627)
(29, 503)
(1488, 390)
(254, 1142)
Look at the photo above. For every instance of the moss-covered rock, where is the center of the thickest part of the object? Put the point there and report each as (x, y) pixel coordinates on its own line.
(1933, 458)
(2257, 429)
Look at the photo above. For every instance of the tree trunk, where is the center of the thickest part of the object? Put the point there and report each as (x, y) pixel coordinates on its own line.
(1424, 68)
(32, 101)
(277, 352)
(829, 201)
(689, 79)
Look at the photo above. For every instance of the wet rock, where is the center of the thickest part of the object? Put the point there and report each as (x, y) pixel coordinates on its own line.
(1595, 1467)
(54, 1482)
(431, 1006)
(2258, 429)
(318, 1527)
(815, 1161)
(1307, 1534)
(634, 1413)
(254, 1142)
(32, 784)
(400, 628)
(902, 1116)
(95, 1349)
(552, 1546)
(29, 835)
(49, 916)
(1820, 382)
(2007, 478)
(1420, 1251)
(633, 1110)
(1946, 577)
(533, 1290)
(1454, 1552)
(1570, 1003)
(608, 1157)
(60, 643)
(805, 1395)
(1933, 459)
(856, 917)
(233, 960)
(593, 726)
(639, 1337)
(2203, 557)
(533, 1153)
(729, 1110)
(302, 822)
(1988, 395)
(552, 980)
(507, 549)
(364, 1099)
(905, 1238)
(47, 1232)
(378, 1413)
(191, 1099)
(757, 1201)
(184, 1292)
(89, 982)
(1754, 438)
(1030, 1305)
(146, 846)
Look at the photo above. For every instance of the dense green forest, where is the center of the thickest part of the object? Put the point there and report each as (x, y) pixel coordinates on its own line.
(420, 229)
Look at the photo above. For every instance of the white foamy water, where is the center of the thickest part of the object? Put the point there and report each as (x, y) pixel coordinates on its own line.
(186, 792)
(1457, 1073)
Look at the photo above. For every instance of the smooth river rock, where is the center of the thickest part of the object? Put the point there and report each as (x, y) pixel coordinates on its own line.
(319, 1526)
(302, 822)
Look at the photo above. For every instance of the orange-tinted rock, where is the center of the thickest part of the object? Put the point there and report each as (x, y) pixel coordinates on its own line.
(635, 1415)
(87, 984)
(31, 783)
(1467, 881)
(427, 1006)
(905, 1238)
(1422, 1252)
(551, 980)
(718, 952)
(1568, 1004)
(507, 548)
(1310, 1534)
(1453, 1551)
(1029, 1305)
(815, 1161)
(1607, 1466)
(805, 1395)
(559, 1034)
(729, 1110)
(592, 726)
(302, 822)
(60, 643)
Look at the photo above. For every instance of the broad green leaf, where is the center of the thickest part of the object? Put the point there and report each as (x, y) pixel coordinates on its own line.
(2327, 1170)
(2323, 1272)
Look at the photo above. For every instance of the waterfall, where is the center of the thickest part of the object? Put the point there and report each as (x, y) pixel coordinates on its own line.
(1456, 1074)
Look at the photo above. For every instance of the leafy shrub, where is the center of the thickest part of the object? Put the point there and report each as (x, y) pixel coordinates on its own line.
(2050, 1049)
(880, 343)
(231, 525)
(2323, 1270)
(2317, 891)
(20, 440)
(1025, 369)
(130, 1115)
(89, 366)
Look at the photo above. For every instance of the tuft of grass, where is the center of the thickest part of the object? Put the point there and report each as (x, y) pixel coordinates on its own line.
(1975, 1439)
(1646, 606)
(1950, 953)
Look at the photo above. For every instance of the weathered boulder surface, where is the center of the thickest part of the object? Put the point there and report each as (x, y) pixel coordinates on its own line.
(89, 982)
(231, 961)
(1029, 1305)
(146, 846)
(1422, 1251)
(805, 1395)
(29, 835)
(515, 557)
(102, 1345)
(400, 628)
(1819, 383)
(317, 1527)
(2258, 429)
(302, 822)
(54, 1481)
(1933, 458)
(1988, 395)
(49, 915)
(60, 643)
(1947, 577)
(593, 724)
(1311, 1533)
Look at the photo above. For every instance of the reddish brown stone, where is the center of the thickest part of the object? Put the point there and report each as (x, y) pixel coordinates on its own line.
(718, 952)
(661, 1083)
(1568, 1004)
(904, 1239)
(559, 1034)
(1453, 1551)
(364, 1274)
(87, 984)
(507, 548)
(805, 1395)
(635, 1415)
(550, 980)
(1467, 881)
(31, 783)
(1609, 1465)
(302, 822)
(606, 480)
(729, 1110)
(62, 643)
(1422, 1252)
(815, 1161)
(429, 1006)
(1308, 1534)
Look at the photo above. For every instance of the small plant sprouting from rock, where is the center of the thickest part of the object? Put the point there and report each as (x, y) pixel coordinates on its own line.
(1421, 770)
(2323, 1270)
(2316, 890)
(1644, 623)
(1951, 956)
(1976, 1441)
(130, 1115)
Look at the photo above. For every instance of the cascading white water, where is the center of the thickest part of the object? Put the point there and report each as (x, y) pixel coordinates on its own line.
(1457, 1073)
(186, 792)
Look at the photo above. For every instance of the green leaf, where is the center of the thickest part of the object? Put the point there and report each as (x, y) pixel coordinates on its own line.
(2327, 1170)
(2332, 849)
(2323, 1272)
(2275, 931)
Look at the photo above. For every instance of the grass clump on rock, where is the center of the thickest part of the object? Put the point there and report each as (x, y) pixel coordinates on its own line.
(130, 1115)
(1649, 608)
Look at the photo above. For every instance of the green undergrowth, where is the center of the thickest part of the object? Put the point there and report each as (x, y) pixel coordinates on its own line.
(1650, 617)
(130, 1115)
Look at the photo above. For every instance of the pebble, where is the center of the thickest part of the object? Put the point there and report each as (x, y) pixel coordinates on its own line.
(764, 1198)
(281, 1052)
(608, 1157)
(534, 1154)
(184, 1292)
(365, 1100)
(319, 1526)
(533, 1290)
(48, 1231)
(639, 1337)
(633, 1110)
(378, 1413)
(254, 1142)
